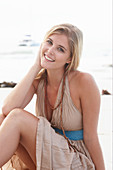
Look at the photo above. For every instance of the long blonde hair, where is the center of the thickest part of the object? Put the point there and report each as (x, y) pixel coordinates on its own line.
(75, 38)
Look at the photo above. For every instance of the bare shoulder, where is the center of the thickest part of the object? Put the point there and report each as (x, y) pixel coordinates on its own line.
(87, 81)
(84, 81)
(88, 87)
(80, 76)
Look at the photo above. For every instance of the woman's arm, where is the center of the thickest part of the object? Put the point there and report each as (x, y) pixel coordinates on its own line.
(2, 117)
(23, 91)
(90, 101)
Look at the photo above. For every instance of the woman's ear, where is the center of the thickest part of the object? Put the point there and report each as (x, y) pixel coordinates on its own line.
(68, 61)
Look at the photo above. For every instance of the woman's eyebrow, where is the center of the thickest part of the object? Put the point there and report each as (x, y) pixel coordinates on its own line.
(50, 39)
(62, 47)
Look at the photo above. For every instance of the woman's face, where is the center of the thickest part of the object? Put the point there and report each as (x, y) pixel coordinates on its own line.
(55, 52)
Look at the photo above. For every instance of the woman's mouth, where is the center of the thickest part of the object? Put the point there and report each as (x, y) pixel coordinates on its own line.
(48, 58)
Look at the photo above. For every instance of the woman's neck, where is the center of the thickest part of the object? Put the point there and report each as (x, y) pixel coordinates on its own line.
(54, 78)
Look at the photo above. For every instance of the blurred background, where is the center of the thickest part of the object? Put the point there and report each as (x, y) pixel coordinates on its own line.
(23, 24)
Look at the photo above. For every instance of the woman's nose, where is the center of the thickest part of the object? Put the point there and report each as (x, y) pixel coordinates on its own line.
(51, 50)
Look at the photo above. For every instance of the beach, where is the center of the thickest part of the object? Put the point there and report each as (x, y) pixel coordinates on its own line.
(14, 66)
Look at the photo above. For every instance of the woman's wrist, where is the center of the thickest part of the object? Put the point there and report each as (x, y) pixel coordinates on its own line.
(37, 67)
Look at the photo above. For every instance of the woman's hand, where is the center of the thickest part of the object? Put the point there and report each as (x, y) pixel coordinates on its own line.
(2, 117)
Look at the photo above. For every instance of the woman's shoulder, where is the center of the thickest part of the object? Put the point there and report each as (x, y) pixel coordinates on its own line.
(80, 77)
(82, 80)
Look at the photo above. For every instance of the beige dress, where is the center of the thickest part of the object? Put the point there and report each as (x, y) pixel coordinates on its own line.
(52, 150)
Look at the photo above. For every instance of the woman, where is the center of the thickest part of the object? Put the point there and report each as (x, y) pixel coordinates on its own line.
(64, 133)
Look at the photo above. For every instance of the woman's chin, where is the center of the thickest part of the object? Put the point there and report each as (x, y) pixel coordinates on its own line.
(44, 66)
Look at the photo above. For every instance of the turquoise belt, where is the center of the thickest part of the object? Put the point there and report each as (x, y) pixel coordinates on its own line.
(72, 135)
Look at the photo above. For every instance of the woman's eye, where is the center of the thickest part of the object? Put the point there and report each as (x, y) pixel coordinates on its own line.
(49, 41)
(61, 49)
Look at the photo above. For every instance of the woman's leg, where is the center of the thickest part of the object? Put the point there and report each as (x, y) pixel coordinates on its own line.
(18, 127)
(25, 157)
(21, 152)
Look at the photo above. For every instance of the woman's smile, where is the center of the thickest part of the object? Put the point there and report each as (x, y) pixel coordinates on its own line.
(48, 58)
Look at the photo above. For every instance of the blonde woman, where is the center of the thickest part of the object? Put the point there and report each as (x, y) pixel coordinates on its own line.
(63, 134)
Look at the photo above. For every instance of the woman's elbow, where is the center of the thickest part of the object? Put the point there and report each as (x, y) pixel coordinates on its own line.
(5, 109)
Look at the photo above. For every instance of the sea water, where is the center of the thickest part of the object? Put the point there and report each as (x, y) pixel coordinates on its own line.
(15, 63)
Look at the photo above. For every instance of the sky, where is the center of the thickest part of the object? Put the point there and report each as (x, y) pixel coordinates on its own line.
(21, 17)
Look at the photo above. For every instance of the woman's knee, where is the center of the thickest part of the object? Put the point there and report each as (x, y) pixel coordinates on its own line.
(16, 113)
(23, 118)
(13, 115)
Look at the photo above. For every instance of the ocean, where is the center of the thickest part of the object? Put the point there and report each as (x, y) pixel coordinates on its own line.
(97, 60)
